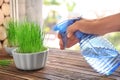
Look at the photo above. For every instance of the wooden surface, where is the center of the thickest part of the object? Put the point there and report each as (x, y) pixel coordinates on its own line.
(61, 65)
(5, 12)
(3, 35)
(1, 17)
(6, 9)
(1, 1)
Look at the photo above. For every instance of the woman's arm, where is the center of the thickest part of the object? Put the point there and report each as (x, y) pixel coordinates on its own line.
(110, 23)
(99, 26)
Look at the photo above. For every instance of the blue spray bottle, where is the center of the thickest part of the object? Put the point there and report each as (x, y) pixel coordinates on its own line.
(97, 51)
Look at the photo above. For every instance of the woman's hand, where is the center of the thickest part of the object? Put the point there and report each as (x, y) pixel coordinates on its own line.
(70, 41)
(83, 25)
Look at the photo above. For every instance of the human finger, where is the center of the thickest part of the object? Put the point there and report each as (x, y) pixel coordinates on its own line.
(61, 44)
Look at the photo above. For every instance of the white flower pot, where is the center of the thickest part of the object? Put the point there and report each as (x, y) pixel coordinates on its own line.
(30, 61)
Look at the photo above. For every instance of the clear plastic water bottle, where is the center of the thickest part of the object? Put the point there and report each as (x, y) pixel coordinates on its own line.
(95, 46)
(96, 50)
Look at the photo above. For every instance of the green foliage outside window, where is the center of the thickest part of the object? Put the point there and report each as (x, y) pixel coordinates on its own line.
(114, 38)
(51, 2)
